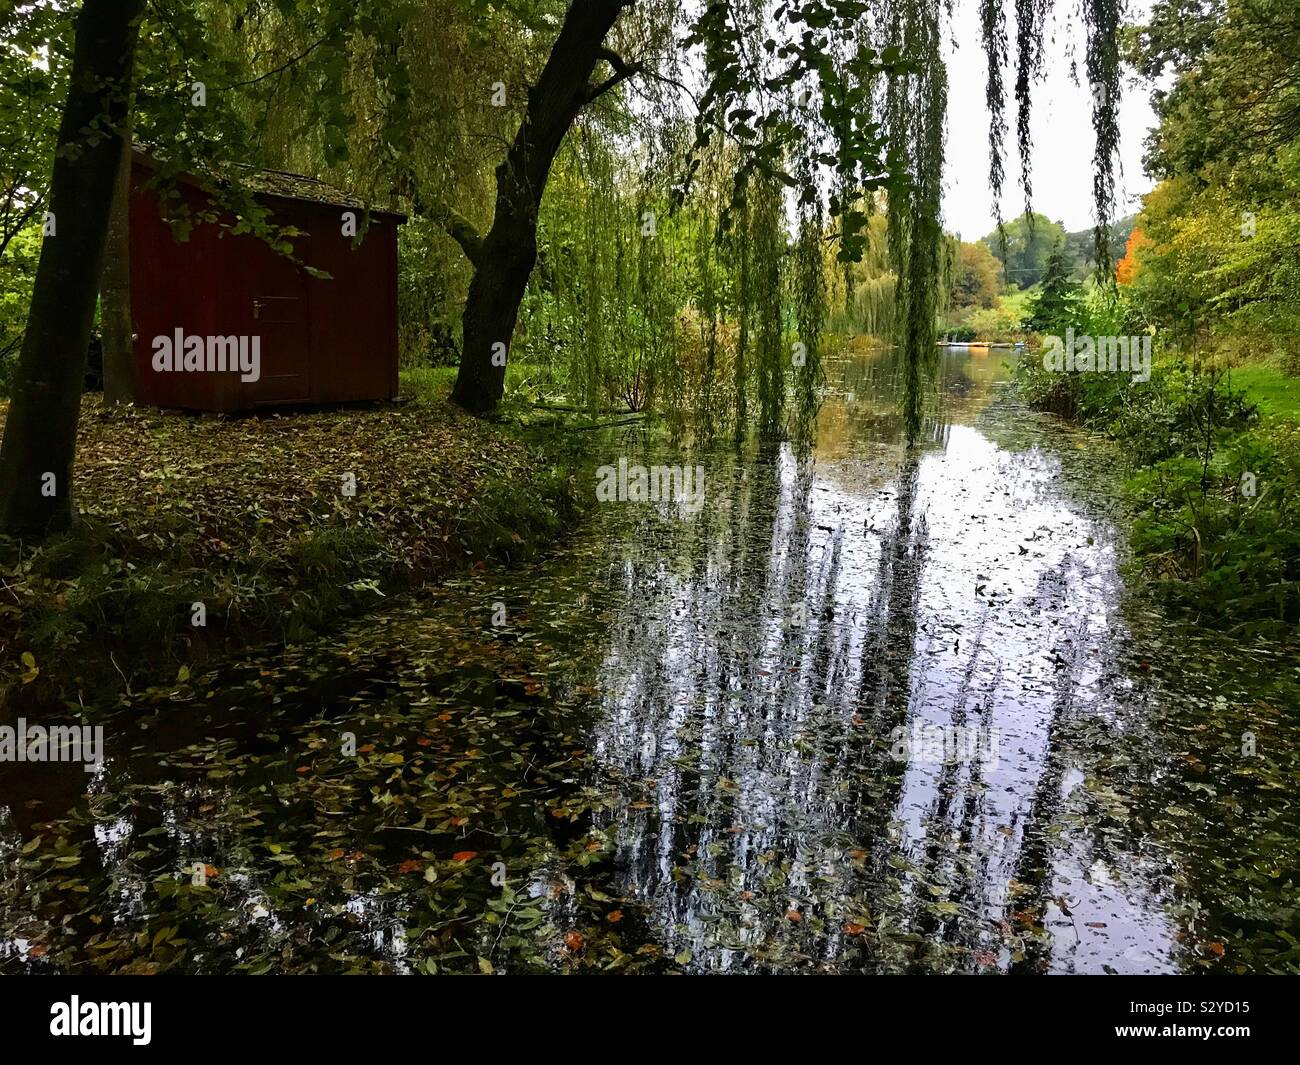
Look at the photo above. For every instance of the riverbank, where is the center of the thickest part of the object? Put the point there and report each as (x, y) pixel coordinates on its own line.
(200, 535)
(1215, 478)
(651, 767)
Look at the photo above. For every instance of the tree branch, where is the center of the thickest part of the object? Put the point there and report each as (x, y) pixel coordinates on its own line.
(622, 71)
(458, 227)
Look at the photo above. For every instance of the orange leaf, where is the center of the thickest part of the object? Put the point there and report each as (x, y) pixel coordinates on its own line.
(854, 929)
(464, 856)
(1216, 949)
(615, 917)
(574, 941)
(794, 915)
(411, 865)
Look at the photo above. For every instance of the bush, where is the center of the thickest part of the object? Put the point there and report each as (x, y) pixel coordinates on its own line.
(1215, 488)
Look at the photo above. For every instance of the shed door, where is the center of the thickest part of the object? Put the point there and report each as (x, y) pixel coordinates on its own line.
(280, 317)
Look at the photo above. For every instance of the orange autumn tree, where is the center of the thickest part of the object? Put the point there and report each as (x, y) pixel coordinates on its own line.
(1127, 268)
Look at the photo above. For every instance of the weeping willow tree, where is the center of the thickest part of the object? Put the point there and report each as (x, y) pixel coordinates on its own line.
(1101, 21)
(915, 104)
(809, 284)
(812, 113)
(872, 126)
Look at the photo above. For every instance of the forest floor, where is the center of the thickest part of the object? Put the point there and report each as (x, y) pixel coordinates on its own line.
(196, 534)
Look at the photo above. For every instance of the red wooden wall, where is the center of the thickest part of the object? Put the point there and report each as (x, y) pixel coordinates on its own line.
(322, 341)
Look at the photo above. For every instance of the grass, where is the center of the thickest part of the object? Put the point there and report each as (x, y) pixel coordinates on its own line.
(1274, 392)
(432, 384)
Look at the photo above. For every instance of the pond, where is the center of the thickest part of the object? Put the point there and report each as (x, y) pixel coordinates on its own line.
(861, 709)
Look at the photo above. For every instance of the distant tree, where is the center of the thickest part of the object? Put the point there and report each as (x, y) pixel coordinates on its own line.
(977, 277)
(1080, 246)
(1126, 269)
(1029, 241)
(1056, 305)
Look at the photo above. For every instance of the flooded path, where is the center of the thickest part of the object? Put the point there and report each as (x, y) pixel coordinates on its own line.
(861, 711)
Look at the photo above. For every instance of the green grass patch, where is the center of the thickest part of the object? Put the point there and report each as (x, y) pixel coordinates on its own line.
(1272, 391)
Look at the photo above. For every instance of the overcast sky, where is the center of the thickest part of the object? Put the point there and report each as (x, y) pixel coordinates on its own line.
(1062, 132)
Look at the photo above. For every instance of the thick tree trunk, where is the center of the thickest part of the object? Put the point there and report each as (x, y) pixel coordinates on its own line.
(115, 321)
(504, 259)
(40, 433)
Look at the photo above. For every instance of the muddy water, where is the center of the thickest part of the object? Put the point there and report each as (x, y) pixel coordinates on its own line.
(862, 710)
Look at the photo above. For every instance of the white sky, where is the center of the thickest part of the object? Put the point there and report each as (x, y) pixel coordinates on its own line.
(1061, 125)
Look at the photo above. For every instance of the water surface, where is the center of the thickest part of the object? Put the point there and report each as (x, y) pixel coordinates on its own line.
(681, 750)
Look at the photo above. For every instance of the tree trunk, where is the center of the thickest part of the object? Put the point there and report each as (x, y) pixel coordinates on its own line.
(115, 321)
(504, 259)
(40, 433)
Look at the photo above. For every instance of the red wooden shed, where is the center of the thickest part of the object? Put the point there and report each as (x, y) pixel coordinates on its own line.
(202, 305)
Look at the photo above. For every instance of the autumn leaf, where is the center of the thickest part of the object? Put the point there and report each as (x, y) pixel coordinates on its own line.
(854, 929)
(411, 865)
(464, 856)
(574, 941)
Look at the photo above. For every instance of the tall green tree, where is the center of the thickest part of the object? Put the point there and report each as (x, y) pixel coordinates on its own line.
(1056, 306)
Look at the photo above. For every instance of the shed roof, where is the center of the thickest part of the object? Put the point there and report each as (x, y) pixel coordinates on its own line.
(287, 186)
